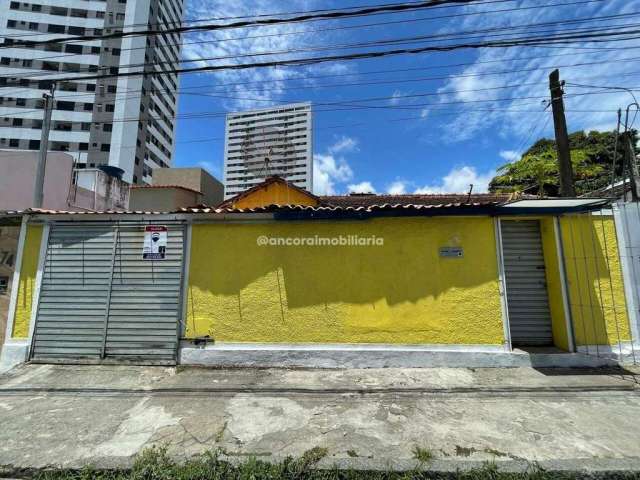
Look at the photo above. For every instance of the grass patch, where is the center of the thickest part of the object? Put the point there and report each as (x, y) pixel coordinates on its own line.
(423, 455)
(155, 464)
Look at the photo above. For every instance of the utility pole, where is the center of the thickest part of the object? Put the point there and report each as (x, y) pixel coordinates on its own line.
(631, 165)
(38, 192)
(567, 188)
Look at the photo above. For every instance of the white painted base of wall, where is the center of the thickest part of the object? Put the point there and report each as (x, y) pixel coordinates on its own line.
(377, 356)
(14, 352)
(626, 353)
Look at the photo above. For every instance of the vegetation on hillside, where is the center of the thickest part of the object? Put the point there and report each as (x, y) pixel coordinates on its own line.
(537, 170)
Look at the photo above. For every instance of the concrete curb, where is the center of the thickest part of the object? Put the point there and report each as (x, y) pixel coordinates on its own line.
(203, 391)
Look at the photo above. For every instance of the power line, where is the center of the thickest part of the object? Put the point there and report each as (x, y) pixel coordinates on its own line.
(345, 105)
(523, 41)
(219, 40)
(119, 95)
(374, 72)
(406, 40)
(200, 20)
(332, 15)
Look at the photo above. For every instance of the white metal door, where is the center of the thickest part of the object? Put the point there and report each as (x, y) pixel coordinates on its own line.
(526, 285)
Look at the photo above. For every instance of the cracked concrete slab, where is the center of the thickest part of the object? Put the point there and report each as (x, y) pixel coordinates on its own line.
(57, 415)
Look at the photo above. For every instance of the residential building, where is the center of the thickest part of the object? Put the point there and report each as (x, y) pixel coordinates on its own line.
(348, 281)
(65, 188)
(270, 141)
(175, 188)
(195, 178)
(126, 122)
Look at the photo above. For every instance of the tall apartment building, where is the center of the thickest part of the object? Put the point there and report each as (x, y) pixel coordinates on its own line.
(128, 122)
(265, 142)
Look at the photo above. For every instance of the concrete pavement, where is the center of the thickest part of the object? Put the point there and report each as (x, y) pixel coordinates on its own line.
(71, 416)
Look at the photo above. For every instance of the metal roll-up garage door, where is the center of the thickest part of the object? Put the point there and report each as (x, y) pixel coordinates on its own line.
(526, 284)
(144, 303)
(99, 300)
(73, 292)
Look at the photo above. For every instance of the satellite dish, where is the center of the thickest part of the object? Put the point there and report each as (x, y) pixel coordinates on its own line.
(267, 152)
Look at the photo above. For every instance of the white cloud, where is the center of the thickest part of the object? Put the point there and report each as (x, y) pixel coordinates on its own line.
(256, 87)
(327, 171)
(399, 187)
(510, 155)
(395, 97)
(362, 187)
(458, 181)
(331, 168)
(517, 112)
(344, 144)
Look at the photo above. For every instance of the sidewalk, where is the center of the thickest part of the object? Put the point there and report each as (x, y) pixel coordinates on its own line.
(71, 416)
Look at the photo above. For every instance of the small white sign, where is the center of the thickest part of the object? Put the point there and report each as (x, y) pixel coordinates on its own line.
(155, 242)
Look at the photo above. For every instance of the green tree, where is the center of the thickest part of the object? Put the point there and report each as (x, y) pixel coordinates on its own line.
(537, 170)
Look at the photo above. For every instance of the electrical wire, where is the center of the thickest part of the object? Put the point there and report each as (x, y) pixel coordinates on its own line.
(523, 41)
(389, 8)
(221, 40)
(380, 42)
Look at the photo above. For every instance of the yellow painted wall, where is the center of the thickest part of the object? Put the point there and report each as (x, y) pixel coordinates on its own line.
(554, 285)
(402, 292)
(26, 285)
(275, 194)
(595, 281)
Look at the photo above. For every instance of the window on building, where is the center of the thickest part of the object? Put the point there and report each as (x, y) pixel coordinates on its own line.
(60, 11)
(83, 147)
(33, 26)
(73, 48)
(105, 147)
(14, 6)
(75, 30)
(11, 23)
(36, 8)
(34, 144)
(5, 61)
(67, 106)
(109, 107)
(14, 142)
(88, 107)
(107, 127)
(21, 102)
(52, 28)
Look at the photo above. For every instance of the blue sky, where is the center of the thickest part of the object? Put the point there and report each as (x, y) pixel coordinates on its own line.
(425, 134)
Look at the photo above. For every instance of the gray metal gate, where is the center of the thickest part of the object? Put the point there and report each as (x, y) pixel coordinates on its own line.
(524, 268)
(99, 300)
